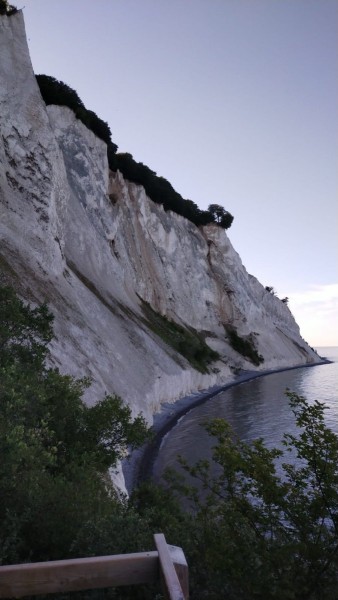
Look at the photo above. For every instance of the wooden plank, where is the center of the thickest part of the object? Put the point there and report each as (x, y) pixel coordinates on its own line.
(172, 586)
(181, 568)
(78, 574)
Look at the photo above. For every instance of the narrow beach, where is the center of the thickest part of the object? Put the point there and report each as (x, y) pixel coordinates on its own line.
(138, 467)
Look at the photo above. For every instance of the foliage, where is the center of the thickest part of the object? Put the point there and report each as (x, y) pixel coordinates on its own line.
(221, 216)
(272, 291)
(253, 531)
(157, 188)
(58, 92)
(244, 346)
(7, 9)
(55, 451)
(24, 331)
(188, 342)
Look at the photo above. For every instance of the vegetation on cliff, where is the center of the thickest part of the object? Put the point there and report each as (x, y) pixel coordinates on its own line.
(7, 9)
(55, 451)
(157, 188)
(57, 92)
(186, 341)
(254, 531)
(244, 346)
(261, 523)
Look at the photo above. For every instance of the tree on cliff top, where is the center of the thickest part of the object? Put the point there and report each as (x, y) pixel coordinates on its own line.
(7, 9)
(58, 92)
(158, 189)
(221, 216)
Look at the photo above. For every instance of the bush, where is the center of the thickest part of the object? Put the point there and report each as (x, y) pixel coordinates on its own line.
(157, 188)
(58, 92)
(55, 451)
(248, 532)
(7, 9)
(261, 535)
(221, 216)
(188, 342)
(245, 347)
(161, 191)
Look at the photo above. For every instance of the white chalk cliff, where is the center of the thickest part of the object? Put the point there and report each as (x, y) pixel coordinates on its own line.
(95, 248)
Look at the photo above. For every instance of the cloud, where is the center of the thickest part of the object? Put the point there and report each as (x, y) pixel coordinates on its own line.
(316, 312)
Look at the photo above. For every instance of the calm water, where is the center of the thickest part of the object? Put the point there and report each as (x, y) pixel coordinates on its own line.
(257, 408)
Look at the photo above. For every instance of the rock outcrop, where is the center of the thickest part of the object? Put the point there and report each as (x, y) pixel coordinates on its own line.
(109, 261)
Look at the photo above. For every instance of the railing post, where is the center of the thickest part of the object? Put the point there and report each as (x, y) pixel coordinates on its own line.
(181, 568)
(171, 583)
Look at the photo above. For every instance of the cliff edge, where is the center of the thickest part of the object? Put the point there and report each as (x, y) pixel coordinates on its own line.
(146, 304)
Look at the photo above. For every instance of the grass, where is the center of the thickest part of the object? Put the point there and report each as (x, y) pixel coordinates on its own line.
(244, 346)
(186, 341)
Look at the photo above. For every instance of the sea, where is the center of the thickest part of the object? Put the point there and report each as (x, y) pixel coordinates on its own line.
(255, 409)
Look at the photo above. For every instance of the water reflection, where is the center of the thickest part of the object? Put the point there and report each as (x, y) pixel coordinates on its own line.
(254, 409)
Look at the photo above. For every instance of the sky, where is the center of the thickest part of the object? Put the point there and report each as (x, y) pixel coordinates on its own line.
(232, 101)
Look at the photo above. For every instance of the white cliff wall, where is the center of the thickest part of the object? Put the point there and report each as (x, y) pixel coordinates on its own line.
(93, 245)
(32, 190)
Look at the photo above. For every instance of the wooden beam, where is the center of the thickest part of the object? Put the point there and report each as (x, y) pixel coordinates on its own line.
(30, 579)
(172, 586)
(98, 572)
(181, 568)
(79, 574)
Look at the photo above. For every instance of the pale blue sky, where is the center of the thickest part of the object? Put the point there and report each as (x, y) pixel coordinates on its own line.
(234, 102)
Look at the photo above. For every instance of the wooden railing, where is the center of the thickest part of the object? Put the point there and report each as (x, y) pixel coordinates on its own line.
(167, 563)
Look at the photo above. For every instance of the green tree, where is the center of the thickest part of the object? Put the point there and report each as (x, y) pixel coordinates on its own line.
(259, 534)
(55, 451)
(221, 216)
(58, 92)
(6, 8)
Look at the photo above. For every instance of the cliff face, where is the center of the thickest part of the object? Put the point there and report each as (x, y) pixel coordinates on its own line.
(101, 253)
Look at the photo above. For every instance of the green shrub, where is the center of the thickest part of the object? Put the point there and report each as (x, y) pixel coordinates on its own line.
(55, 451)
(161, 191)
(221, 216)
(58, 92)
(244, 346)
(253, 531)
(187, 341)
(7, 9)
(157, 188)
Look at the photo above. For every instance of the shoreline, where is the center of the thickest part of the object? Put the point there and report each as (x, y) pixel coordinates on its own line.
(139, 465)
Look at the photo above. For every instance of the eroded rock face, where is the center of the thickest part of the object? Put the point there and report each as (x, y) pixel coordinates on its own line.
(95, 247)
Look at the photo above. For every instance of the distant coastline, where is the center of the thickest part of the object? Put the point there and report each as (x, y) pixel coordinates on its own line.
(138, 467)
